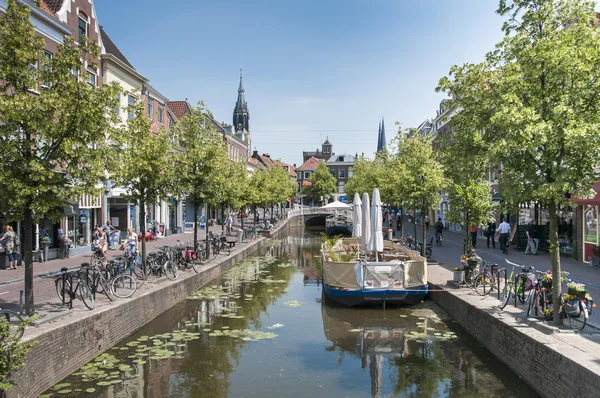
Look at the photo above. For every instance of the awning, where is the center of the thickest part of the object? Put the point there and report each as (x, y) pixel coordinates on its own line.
(591, 201)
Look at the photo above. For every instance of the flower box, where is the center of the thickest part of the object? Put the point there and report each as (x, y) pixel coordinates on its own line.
(581, 293)
(459, 276)
(572, 290)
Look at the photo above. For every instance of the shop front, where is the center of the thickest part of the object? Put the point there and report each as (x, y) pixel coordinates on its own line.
(587, 211)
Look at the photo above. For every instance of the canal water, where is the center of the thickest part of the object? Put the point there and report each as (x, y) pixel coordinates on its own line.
(264, 330)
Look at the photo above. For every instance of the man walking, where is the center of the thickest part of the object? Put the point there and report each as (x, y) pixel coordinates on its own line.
(504, 230)
(532, 239)
(427, 221)
(491, 233)
(473, 229)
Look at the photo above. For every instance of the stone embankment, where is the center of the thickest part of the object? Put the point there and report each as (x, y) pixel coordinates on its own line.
(555, 363)
(70, 341)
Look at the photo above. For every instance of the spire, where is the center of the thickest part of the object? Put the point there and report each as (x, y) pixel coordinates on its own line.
(381, 141)
(241, 99)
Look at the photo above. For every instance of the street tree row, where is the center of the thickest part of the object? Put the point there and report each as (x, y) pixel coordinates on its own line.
(60, 139)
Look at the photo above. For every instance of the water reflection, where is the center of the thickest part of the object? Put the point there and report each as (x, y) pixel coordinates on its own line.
(213, 344)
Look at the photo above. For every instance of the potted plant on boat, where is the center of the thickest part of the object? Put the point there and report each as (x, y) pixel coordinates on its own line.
(595, 258)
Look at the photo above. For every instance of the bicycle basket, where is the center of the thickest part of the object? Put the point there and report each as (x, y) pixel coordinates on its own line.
(530, 282)
(572, 308)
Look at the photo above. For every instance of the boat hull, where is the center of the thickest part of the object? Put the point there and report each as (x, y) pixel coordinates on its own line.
(354, 298)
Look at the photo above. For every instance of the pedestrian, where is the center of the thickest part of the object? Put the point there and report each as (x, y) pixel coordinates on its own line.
(100, 241)
(473, 229)
(132, 242)
(266, 220)
(228, 222)
(439, 229)
(504, 231)
(8, 241)
(109, 231)
(426, 221)
(532, 239)
(490, 233)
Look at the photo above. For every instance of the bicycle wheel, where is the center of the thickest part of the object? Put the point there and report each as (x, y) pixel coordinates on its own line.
(470, 277)
(506, 294)
(102, 282)
(191, 263)
(124, 286)
(213, 253)
(576, 323)
(86, 292)
(63, 285)
(532, 307)
(227, 250)
(139, 275)
(171, 270)
(483, 283)
(14, 321)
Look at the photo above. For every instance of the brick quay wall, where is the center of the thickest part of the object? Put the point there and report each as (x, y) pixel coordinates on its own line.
(553, 364)
(71, 341)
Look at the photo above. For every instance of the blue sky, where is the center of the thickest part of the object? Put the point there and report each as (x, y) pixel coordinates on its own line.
(312, 69)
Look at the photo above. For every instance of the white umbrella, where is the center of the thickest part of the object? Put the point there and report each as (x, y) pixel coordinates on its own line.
(376, 240)
(337, 205)
(357, 217)
(366, 221)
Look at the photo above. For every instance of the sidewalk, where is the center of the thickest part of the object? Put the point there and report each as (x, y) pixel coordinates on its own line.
(12, 281)
(449, 257)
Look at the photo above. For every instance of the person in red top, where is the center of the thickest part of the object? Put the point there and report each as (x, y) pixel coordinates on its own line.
(473, 229)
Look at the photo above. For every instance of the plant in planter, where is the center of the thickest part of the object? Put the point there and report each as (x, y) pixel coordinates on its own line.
(548, 314)
(547, 280)
(459, 275)
(595, 258)
(581, 290)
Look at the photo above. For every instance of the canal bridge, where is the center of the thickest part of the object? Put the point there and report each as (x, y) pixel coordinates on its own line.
(314, 216)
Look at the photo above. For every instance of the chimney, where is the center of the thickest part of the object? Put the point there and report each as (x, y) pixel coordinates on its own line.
(363, 155)
(294, 164)
(266, 155)
(255, 153)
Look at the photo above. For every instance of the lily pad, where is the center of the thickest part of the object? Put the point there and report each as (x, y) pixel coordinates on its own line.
(90, 390)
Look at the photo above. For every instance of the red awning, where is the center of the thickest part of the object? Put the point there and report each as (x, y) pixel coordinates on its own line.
(595, 200)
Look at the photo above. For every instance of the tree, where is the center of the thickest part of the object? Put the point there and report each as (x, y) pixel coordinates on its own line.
(465, 156)
(145, 165)
(52, 139)
(201, 163)
(536, 98)
(323, 184)
(366, 176)
(232, 188)
(281, 186)
(423, 176)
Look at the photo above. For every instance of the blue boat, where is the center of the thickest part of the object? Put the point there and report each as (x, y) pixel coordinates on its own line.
(401, 279)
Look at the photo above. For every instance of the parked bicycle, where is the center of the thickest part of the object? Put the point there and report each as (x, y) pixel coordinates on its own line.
(67, 293)
(13, 321)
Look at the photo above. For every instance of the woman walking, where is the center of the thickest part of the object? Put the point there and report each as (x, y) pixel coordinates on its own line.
(8, 240)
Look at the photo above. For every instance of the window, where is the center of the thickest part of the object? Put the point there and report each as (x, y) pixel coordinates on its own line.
(591, 225)
(341, 187)
(350, 172)
(131, 106)
(341, 172)
(306, 175)
(161, 110)
(83, 28)
(333, 171)
(91, 79)
(75, 72)
(118, 106)
(46, 65)
(150, 108)
(35, 74)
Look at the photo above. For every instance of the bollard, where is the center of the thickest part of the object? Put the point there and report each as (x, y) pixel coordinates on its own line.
(21, 302)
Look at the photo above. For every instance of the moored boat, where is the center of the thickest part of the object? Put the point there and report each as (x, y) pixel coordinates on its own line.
(339, 224)
(397, 275)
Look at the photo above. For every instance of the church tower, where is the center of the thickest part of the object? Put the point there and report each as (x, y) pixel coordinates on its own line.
(241, 117)
(381, 141)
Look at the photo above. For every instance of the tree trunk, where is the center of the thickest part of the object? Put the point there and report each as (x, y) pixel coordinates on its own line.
(195, 226)
(424, 245)
(222, 219)
(467, 237)
(555, 258)
(415, 224)
(27, 254)
(143, 214)
(401, 215)
(207, 233)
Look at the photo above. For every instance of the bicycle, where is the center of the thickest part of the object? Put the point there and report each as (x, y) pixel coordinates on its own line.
(438, 239)
(575, 308)
(514, 285)
(471, 264)
(66, 293)
(100, 280)
(13, 321)
(486, 281)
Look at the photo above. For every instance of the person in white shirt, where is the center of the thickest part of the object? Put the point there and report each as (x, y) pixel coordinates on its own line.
(504, 231)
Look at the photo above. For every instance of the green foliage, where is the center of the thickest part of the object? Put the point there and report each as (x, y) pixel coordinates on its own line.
(145, 163)
(366, 176)
(535, 97)
(12, 351)
(201, 162)
(471, 203)
(53, 127)
(323, 183)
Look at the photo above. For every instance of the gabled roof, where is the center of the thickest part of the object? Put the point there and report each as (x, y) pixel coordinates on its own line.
(179, 108)
(53, 5)
(111, 48)
(290, 169)
(266, 160)
(46, 7)
(326, 142)
(310, 164)
(336, 158)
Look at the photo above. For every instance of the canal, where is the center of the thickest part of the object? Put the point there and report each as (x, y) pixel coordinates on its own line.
(263, 329)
